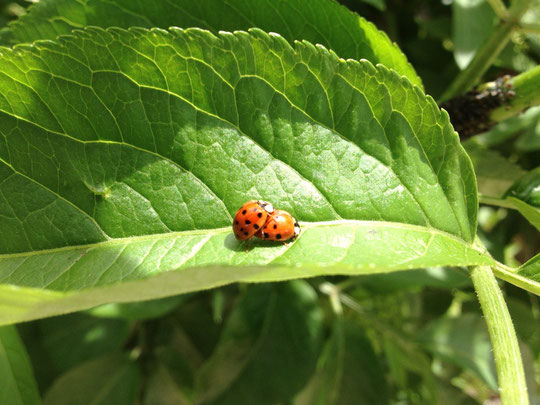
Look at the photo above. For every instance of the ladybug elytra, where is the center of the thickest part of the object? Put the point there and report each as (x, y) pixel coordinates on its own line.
(280, 226)
(250, 218)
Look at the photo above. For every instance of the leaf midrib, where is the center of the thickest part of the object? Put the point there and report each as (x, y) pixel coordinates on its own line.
(218, 231)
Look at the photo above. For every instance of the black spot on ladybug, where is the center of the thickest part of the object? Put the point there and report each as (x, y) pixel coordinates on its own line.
(244, 212)
(265, 235)
(248, 222)
(275, 226)
(278, 236)
(241, 229)
(255, 226)
(259, 214)
(245, 233)
(237, 222)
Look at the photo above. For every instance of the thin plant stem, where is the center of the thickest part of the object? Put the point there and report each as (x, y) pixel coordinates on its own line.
(530, 28)
(510, 373)
(499, 8)
(526, 87)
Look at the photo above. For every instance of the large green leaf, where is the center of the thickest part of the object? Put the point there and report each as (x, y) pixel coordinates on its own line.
(318, 21)
(17, 383)
(125, 154)
(273, 327)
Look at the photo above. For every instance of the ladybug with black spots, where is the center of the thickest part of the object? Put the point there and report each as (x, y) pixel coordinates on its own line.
(250, 218)
(280, 226)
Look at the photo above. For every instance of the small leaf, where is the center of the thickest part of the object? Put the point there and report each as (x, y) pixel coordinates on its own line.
(531, 213)
(527, 188)
(112, 379)
(531, 269)
(268, 349)
(17, 383)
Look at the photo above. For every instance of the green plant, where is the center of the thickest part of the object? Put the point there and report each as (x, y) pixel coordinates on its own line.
(127, 146)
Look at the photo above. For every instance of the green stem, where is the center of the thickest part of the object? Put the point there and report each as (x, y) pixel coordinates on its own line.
(488, 52)
(530, 28)
(511, 376)
(526, 87)
(495, 201)
(499, 8)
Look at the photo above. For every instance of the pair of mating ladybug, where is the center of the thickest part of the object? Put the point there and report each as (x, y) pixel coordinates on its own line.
(259, 218)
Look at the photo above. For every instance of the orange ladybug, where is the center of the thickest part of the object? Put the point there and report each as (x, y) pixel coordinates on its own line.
(250, 218)
(280, 226)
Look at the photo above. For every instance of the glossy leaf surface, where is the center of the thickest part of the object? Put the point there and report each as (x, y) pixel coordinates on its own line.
(125, 154)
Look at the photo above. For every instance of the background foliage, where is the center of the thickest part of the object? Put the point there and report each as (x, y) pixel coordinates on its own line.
(125, 152)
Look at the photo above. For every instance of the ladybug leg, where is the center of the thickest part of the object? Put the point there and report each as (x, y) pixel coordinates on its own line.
(248, 242)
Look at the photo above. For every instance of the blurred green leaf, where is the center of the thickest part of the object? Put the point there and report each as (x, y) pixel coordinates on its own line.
(404, 358)
(472, 22)
(161, 389)
(138, 310)
(494, 173)
(529, 140)
(530, 212)
(73, 339)
(441, 277)
(107, 380)
(17, 383)
(348, 372)
(378, 4)
(526, 322)
(531, 269)
(463, 341)
(508, 129)
(527, 188)
(268, 349)
(179, 365)
(506, 182)
(138, 158)
(318, 21)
